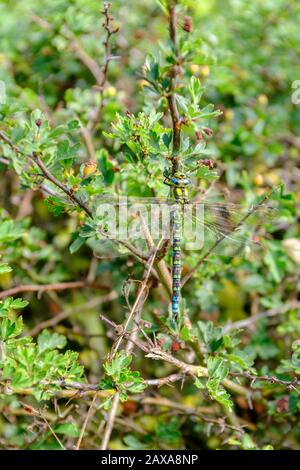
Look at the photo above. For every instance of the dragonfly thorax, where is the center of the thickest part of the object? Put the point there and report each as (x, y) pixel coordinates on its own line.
(179, 183)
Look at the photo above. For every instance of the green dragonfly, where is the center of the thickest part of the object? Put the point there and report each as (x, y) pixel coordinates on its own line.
(187, 225)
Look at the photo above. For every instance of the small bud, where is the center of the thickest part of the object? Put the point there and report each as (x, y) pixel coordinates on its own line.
(175, 347)
(207, 162)
(174, 71)
(89, 168)
(194, 69)
(188, 24)
(129, 407)
(161, 342)
(282, 405)
(263, 99)
(38, 122)
(199, 135)
(208, 131)
(258, 180)
(128, 114)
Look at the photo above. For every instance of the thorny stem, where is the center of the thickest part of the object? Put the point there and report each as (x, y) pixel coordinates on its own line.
(135, 314)
(50, 287)
(248, 322)
(176, 123)
(110, 31)
(46, 173)
(50, 177)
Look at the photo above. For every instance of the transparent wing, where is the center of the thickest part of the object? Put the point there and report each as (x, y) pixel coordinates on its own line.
(229, 228)
(131, 225)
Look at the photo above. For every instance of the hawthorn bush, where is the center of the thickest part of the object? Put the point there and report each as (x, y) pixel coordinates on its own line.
(105, 99)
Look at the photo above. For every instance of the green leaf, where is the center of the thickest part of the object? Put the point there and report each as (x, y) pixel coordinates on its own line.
(219, 394)
(55, 205)
(18, 303)
(217, 368)
(68, 429)
(10, 328)
(76, 244)
(47, 340)
(5, 268)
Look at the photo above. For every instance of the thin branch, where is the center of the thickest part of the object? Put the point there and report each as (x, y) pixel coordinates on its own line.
(110, 421)
(50, 287)
(76, 200)
(187, 410)
(135, 314)
(88, 141)
(51, 322)
(51, 430)
(176, 121)
(88, 416)
(289, 384)
(84, 57)
(195, 371)
(46, 173)
(248, 322)
(136, 306)
(110, 31)
(165, 380)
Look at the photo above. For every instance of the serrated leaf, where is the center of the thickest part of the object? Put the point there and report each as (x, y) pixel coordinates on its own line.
(48, 341)
(5, 268)
(18, 303)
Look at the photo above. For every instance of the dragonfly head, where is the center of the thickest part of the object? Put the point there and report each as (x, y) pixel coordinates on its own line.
(180, 179)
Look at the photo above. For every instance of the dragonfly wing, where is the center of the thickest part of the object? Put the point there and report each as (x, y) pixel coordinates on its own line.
(229, 226)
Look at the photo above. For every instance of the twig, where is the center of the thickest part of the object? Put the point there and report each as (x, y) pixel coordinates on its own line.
(248, 322)
(50, 287)
(52, 431)
(110, 31)
(165, 380)
(119, 330)
(160, 264)
(136, 313)
(289, 384)
(85, 58)
(110, 421)
(176, 122)
(46, 173)
(88, 141)
(75, 45)
(51, 322)
(187, 410)
(195, 371)
(136, 305)
(88, 415)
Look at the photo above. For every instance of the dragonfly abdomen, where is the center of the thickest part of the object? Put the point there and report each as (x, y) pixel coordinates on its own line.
(176, 263)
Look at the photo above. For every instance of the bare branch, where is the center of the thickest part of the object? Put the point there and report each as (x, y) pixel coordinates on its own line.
(50, 287)
(110, 31)
(176, 122)
(248, 322)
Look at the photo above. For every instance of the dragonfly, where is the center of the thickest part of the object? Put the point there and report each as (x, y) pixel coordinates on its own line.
(187, 225)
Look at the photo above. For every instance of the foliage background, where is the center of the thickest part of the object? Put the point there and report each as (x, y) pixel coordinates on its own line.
(247, 56)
